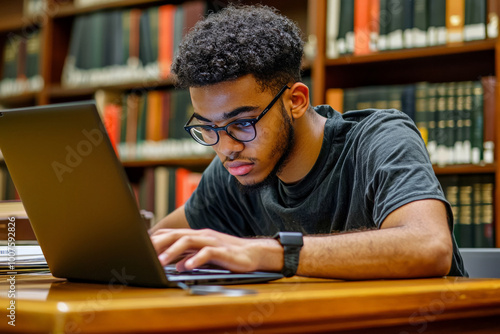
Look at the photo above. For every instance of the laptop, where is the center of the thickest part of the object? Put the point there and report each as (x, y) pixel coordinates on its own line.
(79, 202)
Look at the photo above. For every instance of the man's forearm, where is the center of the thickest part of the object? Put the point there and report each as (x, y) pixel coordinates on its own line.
(375, 254)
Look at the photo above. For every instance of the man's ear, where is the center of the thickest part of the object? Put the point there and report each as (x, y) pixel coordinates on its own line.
(299, 99)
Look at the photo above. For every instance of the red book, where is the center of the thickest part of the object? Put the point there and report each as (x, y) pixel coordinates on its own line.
(166, 35)
(112, 122)
(362, 27)
(182, 187)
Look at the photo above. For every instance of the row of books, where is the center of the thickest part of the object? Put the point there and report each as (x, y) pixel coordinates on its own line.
(21, 64)
(163, 189)
(127, 45)
(456, 119)
(364, 26)
(471, 199)
(150, 125)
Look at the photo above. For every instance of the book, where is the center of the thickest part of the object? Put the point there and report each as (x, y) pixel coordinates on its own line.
(460, 156)
(361, 27)
(455, 17)
(384, 20)
(345, 41)
(432, 122)
(477, 123)
(408, 23)
(420, 23)
(465, 214)
(493, 14)
(475, 20)
(166, 31)
(161, 192)
(154, 116)
(335, 99)
(441, 124)
(332, 28)
(437, 31)
(487, 212)
(489, 84)
(421, 111)
(450, 187)
(395, 39)
(374, 25)
(450, 119)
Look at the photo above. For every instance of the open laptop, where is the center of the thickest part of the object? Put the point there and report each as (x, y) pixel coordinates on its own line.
(80, 204)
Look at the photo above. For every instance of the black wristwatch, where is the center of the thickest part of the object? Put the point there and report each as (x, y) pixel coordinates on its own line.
(292, 242)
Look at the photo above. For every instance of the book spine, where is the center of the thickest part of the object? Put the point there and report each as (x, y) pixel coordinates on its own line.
(489, 106)
(396, 26)
(466, 214)
(477, 123)
(437, 32)
(332, 28)
(475, 20)
(460, 155)
(455, 17)
(493, 16)
(420, 23)
(361, 27)
(442, 152)
(487, 214)
(408, 24)
(450, 118)
(421, 111)
(432, 122)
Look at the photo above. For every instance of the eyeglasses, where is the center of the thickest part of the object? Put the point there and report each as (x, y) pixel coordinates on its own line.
(242, 130)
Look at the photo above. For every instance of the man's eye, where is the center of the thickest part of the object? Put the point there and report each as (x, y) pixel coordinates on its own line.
(244, 124)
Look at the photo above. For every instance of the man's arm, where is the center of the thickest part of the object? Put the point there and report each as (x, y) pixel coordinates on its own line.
(176, 219)
(414, 241)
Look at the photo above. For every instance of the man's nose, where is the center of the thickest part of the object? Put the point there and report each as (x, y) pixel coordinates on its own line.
(227, 145)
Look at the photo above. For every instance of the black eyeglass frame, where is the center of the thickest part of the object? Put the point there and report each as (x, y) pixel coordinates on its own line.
(252, 121)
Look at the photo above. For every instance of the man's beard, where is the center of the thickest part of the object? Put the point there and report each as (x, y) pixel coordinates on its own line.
(283, 148)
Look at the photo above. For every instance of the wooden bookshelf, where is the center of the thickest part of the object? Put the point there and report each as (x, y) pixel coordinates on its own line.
(464, 61)
(69, 9)
(186, 162)
(465, 169)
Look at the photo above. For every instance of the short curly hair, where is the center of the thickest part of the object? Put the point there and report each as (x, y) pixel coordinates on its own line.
(237, 41)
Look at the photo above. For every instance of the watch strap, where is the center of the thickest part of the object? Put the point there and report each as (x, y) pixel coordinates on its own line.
(292, 243)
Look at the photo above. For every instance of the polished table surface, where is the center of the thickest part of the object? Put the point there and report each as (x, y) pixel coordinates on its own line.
(44, 304)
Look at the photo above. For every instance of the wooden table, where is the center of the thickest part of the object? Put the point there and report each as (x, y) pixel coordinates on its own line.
(45, 304)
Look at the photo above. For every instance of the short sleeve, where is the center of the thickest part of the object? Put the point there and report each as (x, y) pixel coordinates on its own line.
(395, 164)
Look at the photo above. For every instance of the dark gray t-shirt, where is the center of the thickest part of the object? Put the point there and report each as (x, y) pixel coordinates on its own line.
(371, 163)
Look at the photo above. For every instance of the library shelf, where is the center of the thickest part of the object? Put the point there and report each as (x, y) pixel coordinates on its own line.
(414, 53)
(69, 9)
(56, 90)
(19, 100)
(465, 169)
(187, 162)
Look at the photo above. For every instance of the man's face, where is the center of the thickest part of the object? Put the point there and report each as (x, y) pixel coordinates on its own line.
(255, 162)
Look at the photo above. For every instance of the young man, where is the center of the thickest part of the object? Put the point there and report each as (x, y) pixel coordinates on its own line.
(284, 166)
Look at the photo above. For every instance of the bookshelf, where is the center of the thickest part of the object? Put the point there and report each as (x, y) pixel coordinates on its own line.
(452, 62)
(462, 61)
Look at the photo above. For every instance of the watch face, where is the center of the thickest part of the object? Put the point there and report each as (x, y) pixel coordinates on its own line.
(291, 239)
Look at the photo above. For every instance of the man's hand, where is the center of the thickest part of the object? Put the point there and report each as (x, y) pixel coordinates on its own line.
(210, 247)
